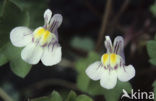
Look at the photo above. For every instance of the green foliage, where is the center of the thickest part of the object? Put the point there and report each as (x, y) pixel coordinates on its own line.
(3, 59)
(153, 61)
(15, 13)
(83, 98)
(93, 87)
(153, 9)
(55, 96)
(9, 88)
(13, 55)
(36, 10)
(154, 89)
(9, 20)
(81, 65)
(151, 49)
(86, 44)
(71, 96)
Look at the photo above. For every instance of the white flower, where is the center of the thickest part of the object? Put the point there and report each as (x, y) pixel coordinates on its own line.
(40, 44)
(112, 65)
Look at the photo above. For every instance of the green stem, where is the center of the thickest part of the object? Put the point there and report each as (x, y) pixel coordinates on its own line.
(47, 82)
(3, 7)
(104, 24)
(5, 96)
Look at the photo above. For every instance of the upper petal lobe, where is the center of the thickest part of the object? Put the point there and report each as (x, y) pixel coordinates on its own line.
(20, 36)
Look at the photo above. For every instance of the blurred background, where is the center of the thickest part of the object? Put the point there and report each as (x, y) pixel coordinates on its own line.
(81, 35)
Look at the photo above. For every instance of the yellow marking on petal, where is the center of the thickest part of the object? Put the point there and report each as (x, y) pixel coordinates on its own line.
(113, 58)
(110, 60)
(39, 32)
(105, 58)
(44, 36)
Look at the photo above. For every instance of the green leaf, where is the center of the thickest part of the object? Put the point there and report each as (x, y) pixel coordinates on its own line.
(151, 49)
(9, 20)
(82, 82)
(18, 3)
(153, 61)
(18, 66)
(83, 98)
(154, 89)
(81, 65)
(3, 59)
(55, 96)
(95, 89)
(27, 7)
(117, 91)
(153, 9)
(86, 44)
(71, 96)
(82, 79)
(36, 19)
(2, 7)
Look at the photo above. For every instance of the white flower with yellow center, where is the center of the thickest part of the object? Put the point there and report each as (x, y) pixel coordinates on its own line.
(112, 65)
(40, 44)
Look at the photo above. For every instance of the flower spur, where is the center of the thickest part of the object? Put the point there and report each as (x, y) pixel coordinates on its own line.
(40, 44)
(112, 65)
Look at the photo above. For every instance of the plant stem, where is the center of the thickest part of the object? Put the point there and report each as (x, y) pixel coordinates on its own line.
(104, 24)
(5, 96)
(3, 7)
(122, 9)
(58, 82)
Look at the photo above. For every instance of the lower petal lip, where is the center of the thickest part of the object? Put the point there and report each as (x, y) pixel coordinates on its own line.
(126, 73)
(51, 56)
(32, 53)
(108, 79)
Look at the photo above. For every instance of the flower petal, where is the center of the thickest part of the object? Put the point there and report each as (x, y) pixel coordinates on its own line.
(56, 34)
(126, 73)
(20, 36)
(47, 16)
(108, 79)
(95, 70)
(108, 44)
(32, 53)
(55, 22)
(51, 55)
(119, 46)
